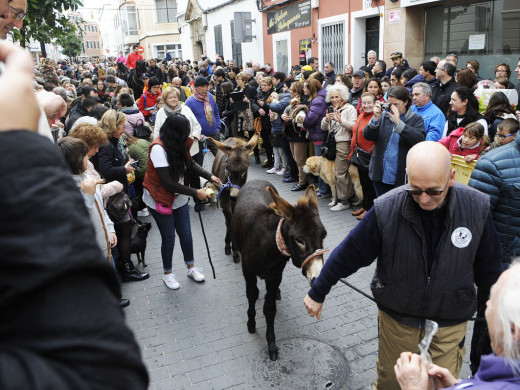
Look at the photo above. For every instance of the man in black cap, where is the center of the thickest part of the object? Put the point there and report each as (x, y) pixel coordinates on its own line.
(358, 83)
(398, 60)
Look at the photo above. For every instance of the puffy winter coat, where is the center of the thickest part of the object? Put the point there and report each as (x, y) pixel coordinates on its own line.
(497, 174)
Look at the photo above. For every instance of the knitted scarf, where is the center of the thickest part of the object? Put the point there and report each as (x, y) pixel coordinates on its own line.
(170, 111)
(208, 111)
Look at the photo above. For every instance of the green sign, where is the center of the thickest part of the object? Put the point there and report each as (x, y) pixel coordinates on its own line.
(290, 17)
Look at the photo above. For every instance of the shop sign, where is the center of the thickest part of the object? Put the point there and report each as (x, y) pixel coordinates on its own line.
(289, 18)
(394, 17)
(409, 3)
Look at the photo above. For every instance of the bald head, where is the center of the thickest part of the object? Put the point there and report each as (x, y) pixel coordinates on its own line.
(177, 82)
(428, 165)
(429, 156)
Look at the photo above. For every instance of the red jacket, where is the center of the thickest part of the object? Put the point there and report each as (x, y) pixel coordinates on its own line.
(357, 134)
(451, 143)
(151, 101)
(132, 59)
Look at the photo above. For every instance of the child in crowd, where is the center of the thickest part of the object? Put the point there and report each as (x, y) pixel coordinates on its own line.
(506, 132)
(466, 141)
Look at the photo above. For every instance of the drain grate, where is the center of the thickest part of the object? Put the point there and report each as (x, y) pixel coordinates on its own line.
(303, 364)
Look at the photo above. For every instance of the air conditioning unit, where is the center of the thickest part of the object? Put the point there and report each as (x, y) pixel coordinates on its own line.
(315, 4)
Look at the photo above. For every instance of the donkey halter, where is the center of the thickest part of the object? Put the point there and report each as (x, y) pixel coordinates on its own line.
(282, 246)
(227, 185)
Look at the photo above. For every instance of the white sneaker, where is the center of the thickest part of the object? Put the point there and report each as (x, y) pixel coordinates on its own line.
(281, 172)
(170, 281)
(195, 274)
(143, 213)
(272, 170)
(340, 207)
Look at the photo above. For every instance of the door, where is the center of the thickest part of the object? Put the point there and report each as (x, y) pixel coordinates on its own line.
(372, 35)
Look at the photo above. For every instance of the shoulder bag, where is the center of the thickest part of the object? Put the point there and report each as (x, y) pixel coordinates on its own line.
(360, 157)
(328, 149)
(118, 206)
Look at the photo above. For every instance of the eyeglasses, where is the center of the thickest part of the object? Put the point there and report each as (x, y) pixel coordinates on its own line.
(506, 136)
(429, 191)
(18, 13)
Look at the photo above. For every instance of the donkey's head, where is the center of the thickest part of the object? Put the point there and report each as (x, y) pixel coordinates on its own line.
(235, 162)
(302, 231)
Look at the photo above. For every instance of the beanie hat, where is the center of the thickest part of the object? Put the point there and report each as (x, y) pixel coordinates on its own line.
(201, 81)
(153, 82)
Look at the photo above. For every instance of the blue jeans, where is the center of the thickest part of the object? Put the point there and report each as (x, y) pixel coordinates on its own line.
(324, 187)
(178, 221)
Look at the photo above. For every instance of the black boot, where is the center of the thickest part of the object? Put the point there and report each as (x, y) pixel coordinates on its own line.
(130, 274)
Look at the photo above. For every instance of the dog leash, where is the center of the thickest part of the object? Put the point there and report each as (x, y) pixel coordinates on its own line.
(476, 319)
(205, 238)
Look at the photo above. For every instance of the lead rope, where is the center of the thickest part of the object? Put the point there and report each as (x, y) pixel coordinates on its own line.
(206, 241)
(373, 300)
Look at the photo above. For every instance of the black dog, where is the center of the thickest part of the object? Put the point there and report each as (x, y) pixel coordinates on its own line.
(139, 242)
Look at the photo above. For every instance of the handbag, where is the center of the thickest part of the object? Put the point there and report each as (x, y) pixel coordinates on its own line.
(141, 130)
(328, 149)
(163, 209)
(118, 206)
(360, 158)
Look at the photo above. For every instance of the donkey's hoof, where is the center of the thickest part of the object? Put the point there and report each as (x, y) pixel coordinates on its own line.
(236, 258)
(273, 355)
(251, 328)
(227, 250)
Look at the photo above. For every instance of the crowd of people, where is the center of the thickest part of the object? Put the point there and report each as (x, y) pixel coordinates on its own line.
(135, 129)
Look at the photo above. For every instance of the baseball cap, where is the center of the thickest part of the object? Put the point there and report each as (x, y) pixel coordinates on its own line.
(359, 73)
(145, 76)
(396, 54)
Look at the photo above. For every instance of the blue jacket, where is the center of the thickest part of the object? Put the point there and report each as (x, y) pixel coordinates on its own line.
(312, 123)
(198, 110)
(279, 107)
(497, 174)
(493, 374)
(434, 120)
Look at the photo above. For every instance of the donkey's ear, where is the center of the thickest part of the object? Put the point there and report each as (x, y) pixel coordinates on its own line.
(310, 194)
(221, 146)
(252, 142)
(280, 206)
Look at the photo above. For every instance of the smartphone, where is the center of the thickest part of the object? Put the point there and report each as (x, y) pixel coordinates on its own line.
(134, 164)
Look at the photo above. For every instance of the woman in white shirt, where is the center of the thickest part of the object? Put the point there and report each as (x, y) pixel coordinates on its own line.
(167, 192)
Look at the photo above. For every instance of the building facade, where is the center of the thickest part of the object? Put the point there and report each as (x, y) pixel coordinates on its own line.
(487, 31)
(208, 28)
(151, 24)
(332, 31)
(90, 34)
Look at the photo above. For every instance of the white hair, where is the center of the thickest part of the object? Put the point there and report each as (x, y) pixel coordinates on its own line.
(371, 52)
(342, 89)
(508, 314)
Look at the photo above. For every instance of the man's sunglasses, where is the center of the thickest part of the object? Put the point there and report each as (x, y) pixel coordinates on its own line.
(429, 191)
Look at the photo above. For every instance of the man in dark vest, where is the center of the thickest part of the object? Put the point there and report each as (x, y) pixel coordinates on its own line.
(434, 239)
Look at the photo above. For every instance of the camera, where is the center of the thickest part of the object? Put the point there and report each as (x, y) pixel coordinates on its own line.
(134, 164)
(330, 109)
(385, 106)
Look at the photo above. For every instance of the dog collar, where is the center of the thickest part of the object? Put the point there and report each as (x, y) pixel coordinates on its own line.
(280, 242)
